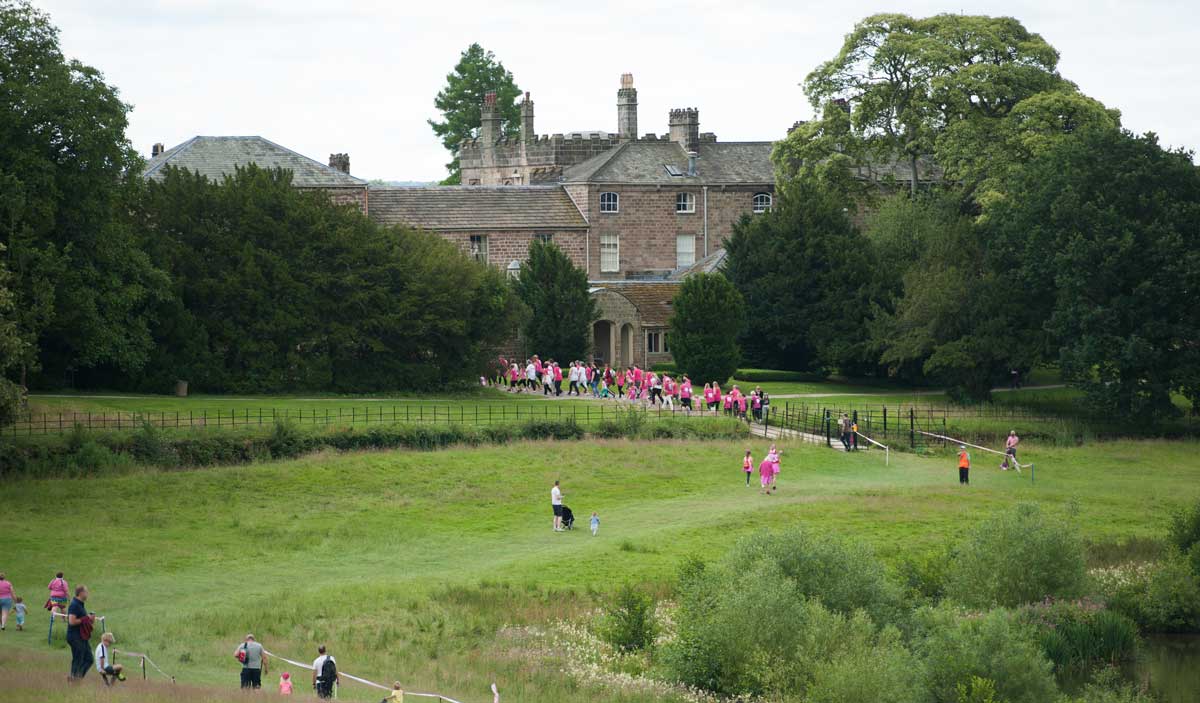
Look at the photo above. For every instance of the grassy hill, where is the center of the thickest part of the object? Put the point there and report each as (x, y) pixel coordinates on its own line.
(440, 569)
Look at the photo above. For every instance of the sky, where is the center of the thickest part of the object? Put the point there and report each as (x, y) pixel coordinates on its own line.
(360, 76)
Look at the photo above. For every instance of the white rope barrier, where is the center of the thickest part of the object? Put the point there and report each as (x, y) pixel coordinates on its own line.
(145, 658)
(302, 665)
(887, 453)
(975, 446)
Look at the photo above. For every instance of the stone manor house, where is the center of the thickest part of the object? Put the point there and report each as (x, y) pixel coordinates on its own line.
(638, 213)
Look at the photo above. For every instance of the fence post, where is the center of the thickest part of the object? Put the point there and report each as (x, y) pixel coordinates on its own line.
(828, 443)
(912, 428)
(854, 437)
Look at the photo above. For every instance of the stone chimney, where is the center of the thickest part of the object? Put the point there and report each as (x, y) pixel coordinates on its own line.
(527, 133)
(627, 108)
(340, 161)
(489, 120)
(685, 128)
(156, 150)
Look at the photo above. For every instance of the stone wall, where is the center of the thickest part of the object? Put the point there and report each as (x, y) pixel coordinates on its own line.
(648, 225)
(513, 245)
(494, 164)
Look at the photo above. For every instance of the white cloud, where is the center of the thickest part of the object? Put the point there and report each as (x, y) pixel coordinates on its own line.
(360, 76)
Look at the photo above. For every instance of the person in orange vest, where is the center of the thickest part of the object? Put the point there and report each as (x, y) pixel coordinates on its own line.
(964, 465)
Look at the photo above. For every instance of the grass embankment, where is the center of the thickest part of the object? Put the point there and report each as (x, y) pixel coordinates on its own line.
(428, 567)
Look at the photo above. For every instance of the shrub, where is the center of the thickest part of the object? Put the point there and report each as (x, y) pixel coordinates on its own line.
(1165, 599)
(1109, 686)
(11, 396)
(883, 671)
(608, 429)
(1018, 556)
(286, 440)
(925, 574)
(996, 646)
(1184, 531)
(1082, 634)
(628, 622)
(552, 429)
(150, 447)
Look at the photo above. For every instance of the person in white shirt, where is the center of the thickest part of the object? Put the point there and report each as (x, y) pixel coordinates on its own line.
(104, 660)
(573, 377)
(531, 376)
(323, 688)
(556, 506)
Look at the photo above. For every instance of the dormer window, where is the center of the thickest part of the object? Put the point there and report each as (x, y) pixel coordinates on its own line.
(610, 202)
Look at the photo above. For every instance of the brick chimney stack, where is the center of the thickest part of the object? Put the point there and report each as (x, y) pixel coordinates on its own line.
(489, 120)
(156, 150)
(685, 128)
(627, 108)
(527, 133)
(340, 161)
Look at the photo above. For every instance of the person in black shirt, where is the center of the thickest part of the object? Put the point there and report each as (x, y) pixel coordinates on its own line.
(79, 631)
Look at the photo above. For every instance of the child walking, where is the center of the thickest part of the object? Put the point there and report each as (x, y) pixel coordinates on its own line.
(748, 467)
(285, 684)
(595, 522)
(19, 612)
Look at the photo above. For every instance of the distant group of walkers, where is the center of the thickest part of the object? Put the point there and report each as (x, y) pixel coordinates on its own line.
(632, 384)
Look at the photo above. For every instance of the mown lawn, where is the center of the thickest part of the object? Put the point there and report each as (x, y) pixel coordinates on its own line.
(411, 565)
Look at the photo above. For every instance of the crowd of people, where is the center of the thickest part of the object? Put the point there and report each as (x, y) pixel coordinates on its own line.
(633, 384)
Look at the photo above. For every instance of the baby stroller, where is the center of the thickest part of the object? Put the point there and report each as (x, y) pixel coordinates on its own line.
(568, 519)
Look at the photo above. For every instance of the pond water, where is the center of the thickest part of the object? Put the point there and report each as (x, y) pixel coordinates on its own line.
(1170, 665)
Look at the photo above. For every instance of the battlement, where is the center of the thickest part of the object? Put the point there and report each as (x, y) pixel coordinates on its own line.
(683, 115)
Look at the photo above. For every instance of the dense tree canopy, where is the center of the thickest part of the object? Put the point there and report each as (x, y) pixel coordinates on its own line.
(476, 74)
(807, 276)
(707, 318)
(276, 288)
(560, 310)
(82, 285)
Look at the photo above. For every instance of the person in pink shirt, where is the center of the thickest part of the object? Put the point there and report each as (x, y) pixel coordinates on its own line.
(685, 393)
(669, 392)
(708, 397)
(716, 398)
(557, 380)
(59, 594)
(6, 602)
(638, 377)
(728, 403)
(766, 473)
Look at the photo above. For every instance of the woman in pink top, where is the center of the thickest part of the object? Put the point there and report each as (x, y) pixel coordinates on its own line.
(58, 594)
(766, 472)
(716, 398)
(685, 393)
(6, 601)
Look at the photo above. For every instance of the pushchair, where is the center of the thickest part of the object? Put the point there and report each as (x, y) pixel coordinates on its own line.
(568, 518)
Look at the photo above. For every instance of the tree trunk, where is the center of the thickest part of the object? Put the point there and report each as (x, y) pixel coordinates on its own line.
(913, 163)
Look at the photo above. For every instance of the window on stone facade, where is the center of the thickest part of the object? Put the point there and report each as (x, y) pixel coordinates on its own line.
(473, 182)
(610, 253)
(685, 249)
(685, 202)
(762, 202)
(610, 202)
(544, 237)
(656, 343)
(479, 248)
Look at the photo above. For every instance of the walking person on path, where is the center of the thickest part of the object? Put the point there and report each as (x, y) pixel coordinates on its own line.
(254, 662)
(964, 466)
(1010, 449)
(748, 467)
(6, 600)
(79, 631)
(556, 505)
(324, 673)
(844, 430)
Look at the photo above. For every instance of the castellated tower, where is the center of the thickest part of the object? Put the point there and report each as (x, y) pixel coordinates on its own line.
(685, 128)
(627, 108)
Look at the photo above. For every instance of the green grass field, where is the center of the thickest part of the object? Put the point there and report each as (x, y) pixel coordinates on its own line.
(440, 569)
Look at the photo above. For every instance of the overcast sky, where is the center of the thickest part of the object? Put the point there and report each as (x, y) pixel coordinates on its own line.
(360, 76)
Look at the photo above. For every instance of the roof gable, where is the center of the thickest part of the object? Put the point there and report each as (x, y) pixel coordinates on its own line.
(651, 162)
(217, 157)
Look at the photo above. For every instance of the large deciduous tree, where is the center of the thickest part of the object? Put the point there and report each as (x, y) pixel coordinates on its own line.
(561, 311)
(1102, 227)
(82, 285)
(806, 274)
(476, 74)
(707, 318)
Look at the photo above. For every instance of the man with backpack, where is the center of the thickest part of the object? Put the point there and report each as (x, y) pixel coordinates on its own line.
(325, 674)
(254, 662)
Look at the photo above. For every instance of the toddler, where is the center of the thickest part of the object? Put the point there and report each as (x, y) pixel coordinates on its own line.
(397, 693)
(19, 609)
(595, 521)
(285, 684)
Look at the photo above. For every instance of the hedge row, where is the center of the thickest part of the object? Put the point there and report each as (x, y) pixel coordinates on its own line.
(84, 454)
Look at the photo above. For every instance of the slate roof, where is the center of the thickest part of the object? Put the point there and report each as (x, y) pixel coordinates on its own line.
(215, 157)
(709, 264)
(645, 162)
(458, 208)
(651, 298)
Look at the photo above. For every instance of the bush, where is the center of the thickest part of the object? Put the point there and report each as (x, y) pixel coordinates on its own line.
(883, 671)
(925, 574)
(1082, 634)
(1018, 556)
(150, 447)
(1109, 686)
(1184, 531)
(628, 622)
(996, 646)
(286, 440)
(11, 396)
(1165, 599)
(552, 429)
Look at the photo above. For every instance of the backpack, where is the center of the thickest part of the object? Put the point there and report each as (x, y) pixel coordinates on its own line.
(326, 677)
(240, 655)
